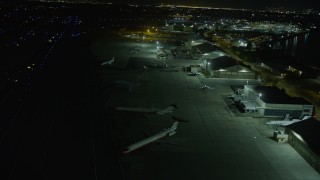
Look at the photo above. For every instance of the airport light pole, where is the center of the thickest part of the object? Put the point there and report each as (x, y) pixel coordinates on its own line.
(207, 64)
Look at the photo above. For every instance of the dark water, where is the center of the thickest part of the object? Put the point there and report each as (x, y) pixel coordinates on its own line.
(304, 48)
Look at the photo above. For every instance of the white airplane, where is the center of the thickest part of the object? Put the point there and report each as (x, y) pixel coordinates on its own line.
(169, 109)
(204, 86)
(166, 132)
(108, 62)
(127, 84)
(286, 121)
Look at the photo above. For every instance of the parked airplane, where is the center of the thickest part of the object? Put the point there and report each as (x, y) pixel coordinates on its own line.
(286, 121)
(127, 84)
(204, 86)
(169, 109)
(108, 62)
(166, 132)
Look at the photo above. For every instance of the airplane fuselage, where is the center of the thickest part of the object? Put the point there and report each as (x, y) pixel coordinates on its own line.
(282, 123)
(164, 133)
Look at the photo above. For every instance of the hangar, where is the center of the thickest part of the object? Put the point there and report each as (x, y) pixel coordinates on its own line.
(226, 67)
(206, 50)
(269, 101)
(303, 137)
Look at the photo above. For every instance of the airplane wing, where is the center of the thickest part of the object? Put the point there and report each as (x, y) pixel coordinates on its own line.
(169, 109)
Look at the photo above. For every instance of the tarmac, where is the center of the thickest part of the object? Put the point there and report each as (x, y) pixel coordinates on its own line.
(218, 142)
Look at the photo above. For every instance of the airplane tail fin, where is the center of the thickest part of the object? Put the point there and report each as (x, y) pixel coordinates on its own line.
(174, 125)
(286, 118)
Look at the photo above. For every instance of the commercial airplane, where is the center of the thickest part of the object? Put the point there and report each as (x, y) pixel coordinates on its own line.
(204, 86)
(169, 109)
(166, 132)
(286, 121)
(108, 62)
(127, 84)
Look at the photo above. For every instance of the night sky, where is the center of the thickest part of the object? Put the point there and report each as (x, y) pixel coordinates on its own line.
(238, 3)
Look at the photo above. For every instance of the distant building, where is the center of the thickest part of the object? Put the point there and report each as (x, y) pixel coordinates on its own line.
(226, 67)
(303, 136)
(273, 102)
(179, 24)
(205, 50)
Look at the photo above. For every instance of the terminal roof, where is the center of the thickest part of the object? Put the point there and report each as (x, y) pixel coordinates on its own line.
(222, 62)
(206, 47)
(271, 94)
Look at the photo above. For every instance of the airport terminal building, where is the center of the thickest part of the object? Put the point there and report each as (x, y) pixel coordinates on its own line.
(270, 101)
